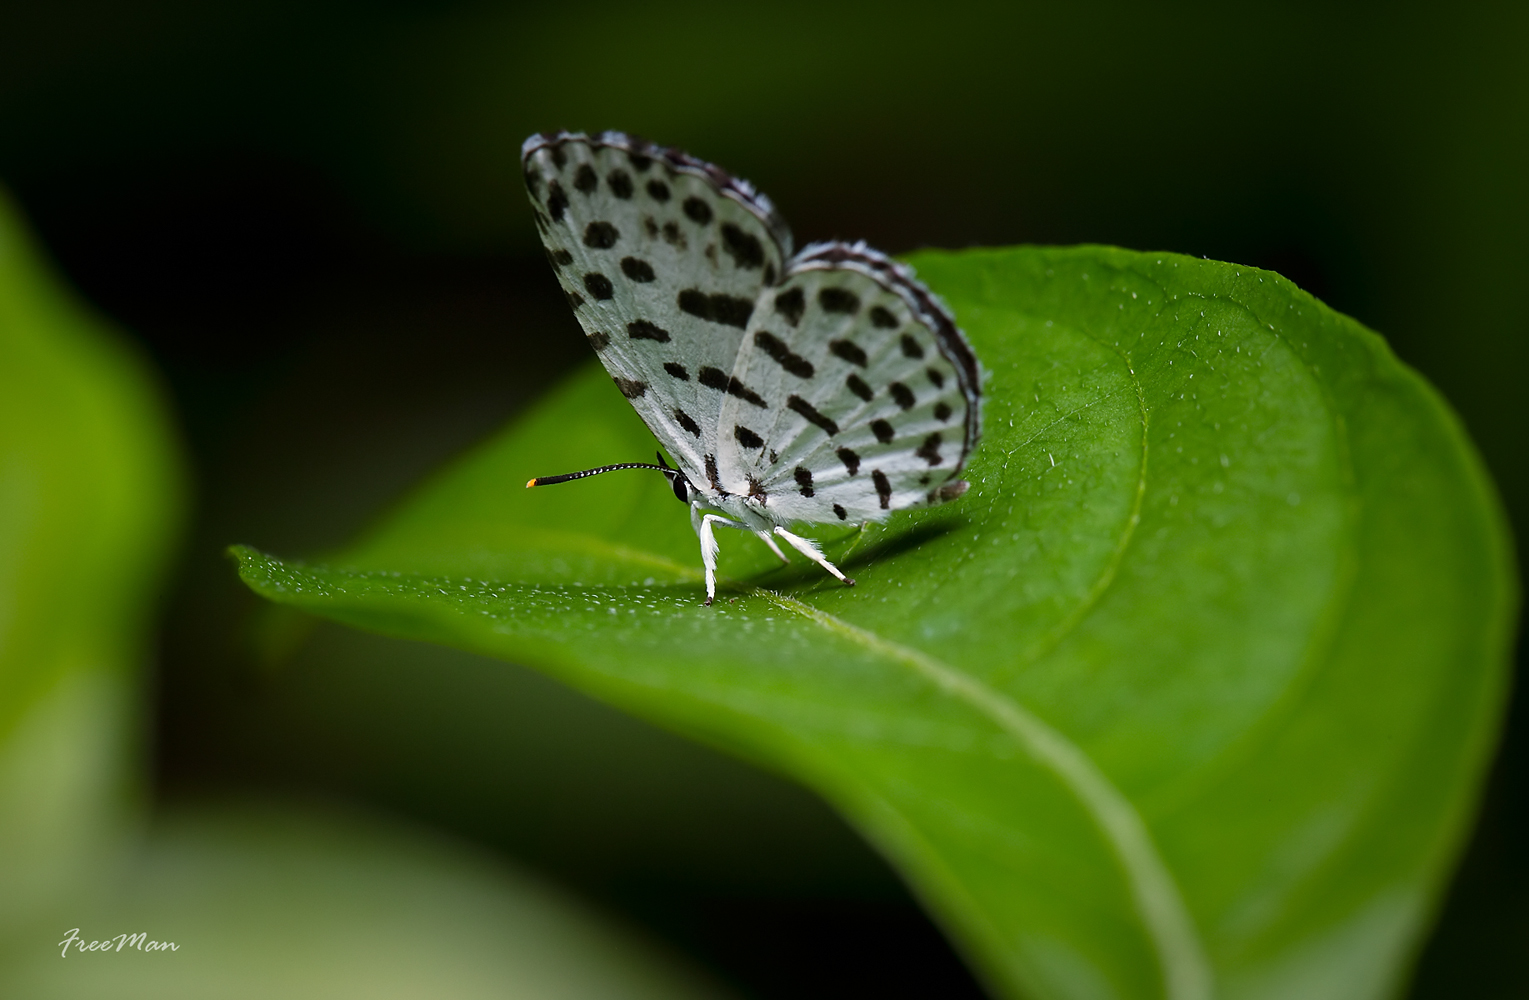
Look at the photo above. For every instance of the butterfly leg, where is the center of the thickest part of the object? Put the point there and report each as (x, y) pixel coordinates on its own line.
(764, 536)
(809, 548)
(709, 546)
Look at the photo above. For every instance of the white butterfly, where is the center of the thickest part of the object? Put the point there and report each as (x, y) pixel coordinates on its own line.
(823, 387)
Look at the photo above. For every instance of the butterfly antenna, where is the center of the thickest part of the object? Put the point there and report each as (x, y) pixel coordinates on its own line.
(565, 477)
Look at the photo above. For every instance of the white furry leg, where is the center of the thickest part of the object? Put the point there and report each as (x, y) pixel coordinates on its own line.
(764, 536)
(809, 548)
(709, 547)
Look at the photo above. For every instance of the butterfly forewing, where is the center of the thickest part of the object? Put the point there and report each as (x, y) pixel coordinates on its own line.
(663, 258)
(857, 394)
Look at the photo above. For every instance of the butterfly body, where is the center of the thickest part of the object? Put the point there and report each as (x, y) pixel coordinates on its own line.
(825, 386)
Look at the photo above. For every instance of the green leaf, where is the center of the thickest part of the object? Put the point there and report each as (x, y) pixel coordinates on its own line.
(88, 500)
(1190, 694)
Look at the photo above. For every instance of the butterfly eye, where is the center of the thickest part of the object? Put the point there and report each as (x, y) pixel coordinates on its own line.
(681, 488)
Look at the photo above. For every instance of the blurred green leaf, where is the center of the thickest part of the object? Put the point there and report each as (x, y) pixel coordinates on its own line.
(1191, 692)
(271, 903)
(88, 500)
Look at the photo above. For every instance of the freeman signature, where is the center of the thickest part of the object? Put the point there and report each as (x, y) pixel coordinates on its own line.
(139, 941)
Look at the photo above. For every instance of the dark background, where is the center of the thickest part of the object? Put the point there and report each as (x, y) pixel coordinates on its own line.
(310, 216)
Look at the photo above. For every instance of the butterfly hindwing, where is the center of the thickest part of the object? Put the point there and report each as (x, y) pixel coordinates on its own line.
(663, 258)
(858, 394)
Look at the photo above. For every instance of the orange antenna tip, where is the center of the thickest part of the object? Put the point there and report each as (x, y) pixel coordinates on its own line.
(530, 483)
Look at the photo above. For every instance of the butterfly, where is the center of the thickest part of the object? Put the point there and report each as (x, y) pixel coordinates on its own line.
(822, 387)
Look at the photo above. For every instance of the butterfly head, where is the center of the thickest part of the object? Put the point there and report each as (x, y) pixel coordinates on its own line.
(683, 491)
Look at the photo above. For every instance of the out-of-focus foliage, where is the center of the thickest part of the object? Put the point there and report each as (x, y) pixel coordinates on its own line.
(88, 505)
(1240, 560)
(258, 905)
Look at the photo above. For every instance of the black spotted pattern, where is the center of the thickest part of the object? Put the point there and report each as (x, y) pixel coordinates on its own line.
(847, 350)
(677, 370)
(697, 211)
(902, 395)
(598, 285)
(686, 421)
(799, 405)
(630, 387)
(640, 163)
(850, 458)
(637, 270)
(715, 378)
(842, 514)
(584, 179)
(883, 488)
(641, 329)
(621, 183)
(911, 347)
(599, 340)
(575, 299)
(790, 305)
(929, 451)
(858, 387)
(746, 250)
(673, 236)
(561, 258)
(557, 201)
(600, 236)
(783, 355)
(559, 157)
(803, 480)
(839, 300)
(937, 378)
(883, 431)
(882, 316)
(942, 412)
(747, 438)
(718, 308)
(658, 190)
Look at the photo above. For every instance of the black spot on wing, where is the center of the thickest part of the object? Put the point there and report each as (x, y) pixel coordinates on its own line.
(747, 438)
(561, 258)
(746, 250)
(631, 388)
(677, 370)
(799, 405)
(839, 300)
(673, 236)
(557, 201)
(658, 190)
(936, 378)
(911, 347)
(840, 512)
(850, 458)
(883, 431)
(598, 285)
(882, 316)
(559, 157)
(574, 299)
(942, 411)
(584, 179)
(641, 329)
(929, 451)
(803, 481)
(686, 421)
(637, 270)
(783, 355)
(620, 182)
(883, 488)
(847, 350)
(600, 235)
(599, 340)
(640, 163)
(715, 378)
(533, 183)
(697, 211)
(711, 472)
(790, 305)
(719, 308)
(902, 395)
(858, 387)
